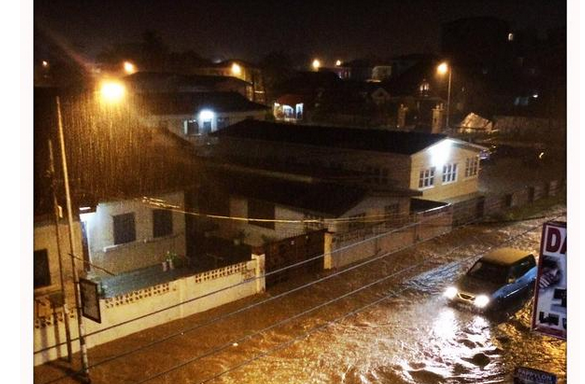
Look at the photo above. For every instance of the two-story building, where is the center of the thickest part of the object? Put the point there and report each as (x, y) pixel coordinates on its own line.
(439, 167)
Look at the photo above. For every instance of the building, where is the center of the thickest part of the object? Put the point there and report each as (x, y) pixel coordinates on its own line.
(287, 205)
(193, 115)
(438, 167)
(242, 70)
(166, 82)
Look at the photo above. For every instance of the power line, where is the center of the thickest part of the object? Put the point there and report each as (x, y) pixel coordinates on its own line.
(314, 329)
(237, 284)
(214, 320)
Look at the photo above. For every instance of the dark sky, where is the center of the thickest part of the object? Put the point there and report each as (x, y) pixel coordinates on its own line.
(248, 29)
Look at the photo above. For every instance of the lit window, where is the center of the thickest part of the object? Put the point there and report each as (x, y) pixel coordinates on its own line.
(471, 166)
(449, 173)
(426, 178)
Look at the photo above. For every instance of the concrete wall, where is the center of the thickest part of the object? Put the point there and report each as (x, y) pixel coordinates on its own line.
(50, 330)
(437, 156)
(145, 250)
(45, 238)
(354, 246)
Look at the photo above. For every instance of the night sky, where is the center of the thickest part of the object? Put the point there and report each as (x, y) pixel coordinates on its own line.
(250, 29)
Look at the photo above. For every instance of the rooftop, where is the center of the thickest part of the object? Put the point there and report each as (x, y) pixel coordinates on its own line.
(506, 256)
(405, 143)
(187, 103)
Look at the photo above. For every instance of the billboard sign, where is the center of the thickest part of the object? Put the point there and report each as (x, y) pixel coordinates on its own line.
(523, 375)
(550, 302)
(90, 300)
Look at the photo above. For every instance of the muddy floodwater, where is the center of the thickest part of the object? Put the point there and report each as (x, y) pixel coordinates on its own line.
(399, 330)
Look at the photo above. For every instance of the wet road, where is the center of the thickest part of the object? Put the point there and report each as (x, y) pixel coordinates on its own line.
(409, 336)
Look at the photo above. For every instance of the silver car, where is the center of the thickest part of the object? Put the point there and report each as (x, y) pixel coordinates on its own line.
(494, 278)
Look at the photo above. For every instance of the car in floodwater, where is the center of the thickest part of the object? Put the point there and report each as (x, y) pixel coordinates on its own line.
(495, 278)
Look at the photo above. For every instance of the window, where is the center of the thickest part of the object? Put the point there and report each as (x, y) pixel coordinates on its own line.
(206, 126)
(223, 122)
(261, 210)
(426, 178)
(191, 127)
(357, 221)
(162, 222)
(471, 166)
(449, 173)
(41, 269)
(124, 228)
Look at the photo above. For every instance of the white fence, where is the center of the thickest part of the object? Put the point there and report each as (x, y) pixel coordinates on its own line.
(183, 297)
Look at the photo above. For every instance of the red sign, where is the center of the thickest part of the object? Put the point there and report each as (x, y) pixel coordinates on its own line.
(550, 301)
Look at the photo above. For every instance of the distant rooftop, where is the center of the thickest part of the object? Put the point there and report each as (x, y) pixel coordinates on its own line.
(405, 143)
(184, 103)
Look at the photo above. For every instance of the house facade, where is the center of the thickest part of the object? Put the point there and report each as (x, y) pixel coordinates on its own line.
(192, 116)
(126, 235)
(265, 209)
(437, 167)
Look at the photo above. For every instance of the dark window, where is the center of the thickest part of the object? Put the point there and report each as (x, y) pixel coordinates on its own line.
(261, 210)
(162, 222)
(223, 122)
(191, 127)
(124, 228)
(41, 269)
(206, 126)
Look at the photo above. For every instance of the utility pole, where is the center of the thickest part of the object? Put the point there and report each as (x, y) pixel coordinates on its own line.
(58, 235)
(81, 326)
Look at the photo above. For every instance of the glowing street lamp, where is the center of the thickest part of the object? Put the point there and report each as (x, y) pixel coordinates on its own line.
(338, 63)
(112, 92)
(236, 69)
(316, 64)
(442, 69)
(45, 63)
(129, 68)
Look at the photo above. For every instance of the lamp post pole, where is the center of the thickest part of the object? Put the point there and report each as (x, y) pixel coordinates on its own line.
(449, 97)
(81, 326)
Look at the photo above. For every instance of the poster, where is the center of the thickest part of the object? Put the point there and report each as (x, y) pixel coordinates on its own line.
(523, 375)
(90, 300)
(550, 302)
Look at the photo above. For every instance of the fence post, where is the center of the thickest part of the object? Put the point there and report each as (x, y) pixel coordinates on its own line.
(259, 272)
(327, 248)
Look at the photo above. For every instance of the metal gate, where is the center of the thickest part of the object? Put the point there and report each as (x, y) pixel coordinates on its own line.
(292, 251)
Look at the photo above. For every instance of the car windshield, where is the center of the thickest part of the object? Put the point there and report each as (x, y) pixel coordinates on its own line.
(493, 273)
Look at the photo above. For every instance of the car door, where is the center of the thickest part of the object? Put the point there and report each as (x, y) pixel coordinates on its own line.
(523, 274)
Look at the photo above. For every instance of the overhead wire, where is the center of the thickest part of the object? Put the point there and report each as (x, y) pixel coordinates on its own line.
(314, 329)
(222, 317)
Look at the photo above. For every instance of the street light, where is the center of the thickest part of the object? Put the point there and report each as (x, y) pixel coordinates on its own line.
(442, 69)
(316, 64)
(129, 68)
(111, 91)
(236, 69)
(108, 90)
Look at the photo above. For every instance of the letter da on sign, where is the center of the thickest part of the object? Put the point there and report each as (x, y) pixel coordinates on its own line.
(556, 242)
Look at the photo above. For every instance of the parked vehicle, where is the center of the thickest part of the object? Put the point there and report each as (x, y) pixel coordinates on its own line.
(495, 278)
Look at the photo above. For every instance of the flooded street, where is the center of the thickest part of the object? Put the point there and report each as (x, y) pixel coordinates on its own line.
(381, 321)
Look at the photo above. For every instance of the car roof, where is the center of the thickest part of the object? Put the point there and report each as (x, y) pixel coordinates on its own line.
(505, 256)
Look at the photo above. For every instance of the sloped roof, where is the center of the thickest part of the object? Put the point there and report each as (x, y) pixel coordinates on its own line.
(184, 103)
(405, 143)
(319, 197)
(170, 79)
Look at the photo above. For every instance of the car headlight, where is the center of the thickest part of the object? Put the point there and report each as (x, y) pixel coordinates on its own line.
(450, 292)
(481, 301)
